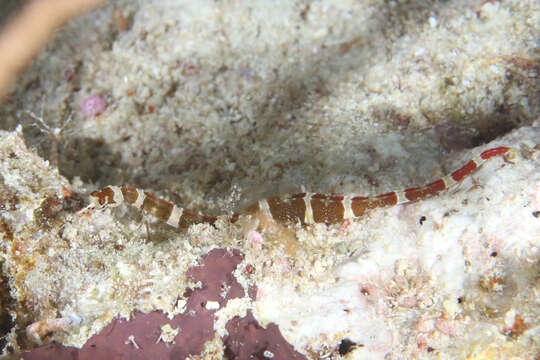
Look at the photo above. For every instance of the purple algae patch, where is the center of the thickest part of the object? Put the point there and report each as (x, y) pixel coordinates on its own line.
(52, 351)
(138, 337)
(248, 340)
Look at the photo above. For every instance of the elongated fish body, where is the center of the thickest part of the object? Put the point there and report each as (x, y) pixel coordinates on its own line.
(306, 208)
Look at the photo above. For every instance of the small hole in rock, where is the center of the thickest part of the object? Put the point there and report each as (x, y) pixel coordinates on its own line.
(346, 346)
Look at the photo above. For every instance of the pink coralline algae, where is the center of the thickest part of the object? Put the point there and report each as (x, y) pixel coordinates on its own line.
(93, 106)
(246, 339)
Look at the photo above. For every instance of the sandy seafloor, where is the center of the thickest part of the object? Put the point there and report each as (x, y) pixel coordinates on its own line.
(215, 104)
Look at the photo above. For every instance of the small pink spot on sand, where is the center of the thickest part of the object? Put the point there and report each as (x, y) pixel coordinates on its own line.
(256, 239)
(93, 105)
